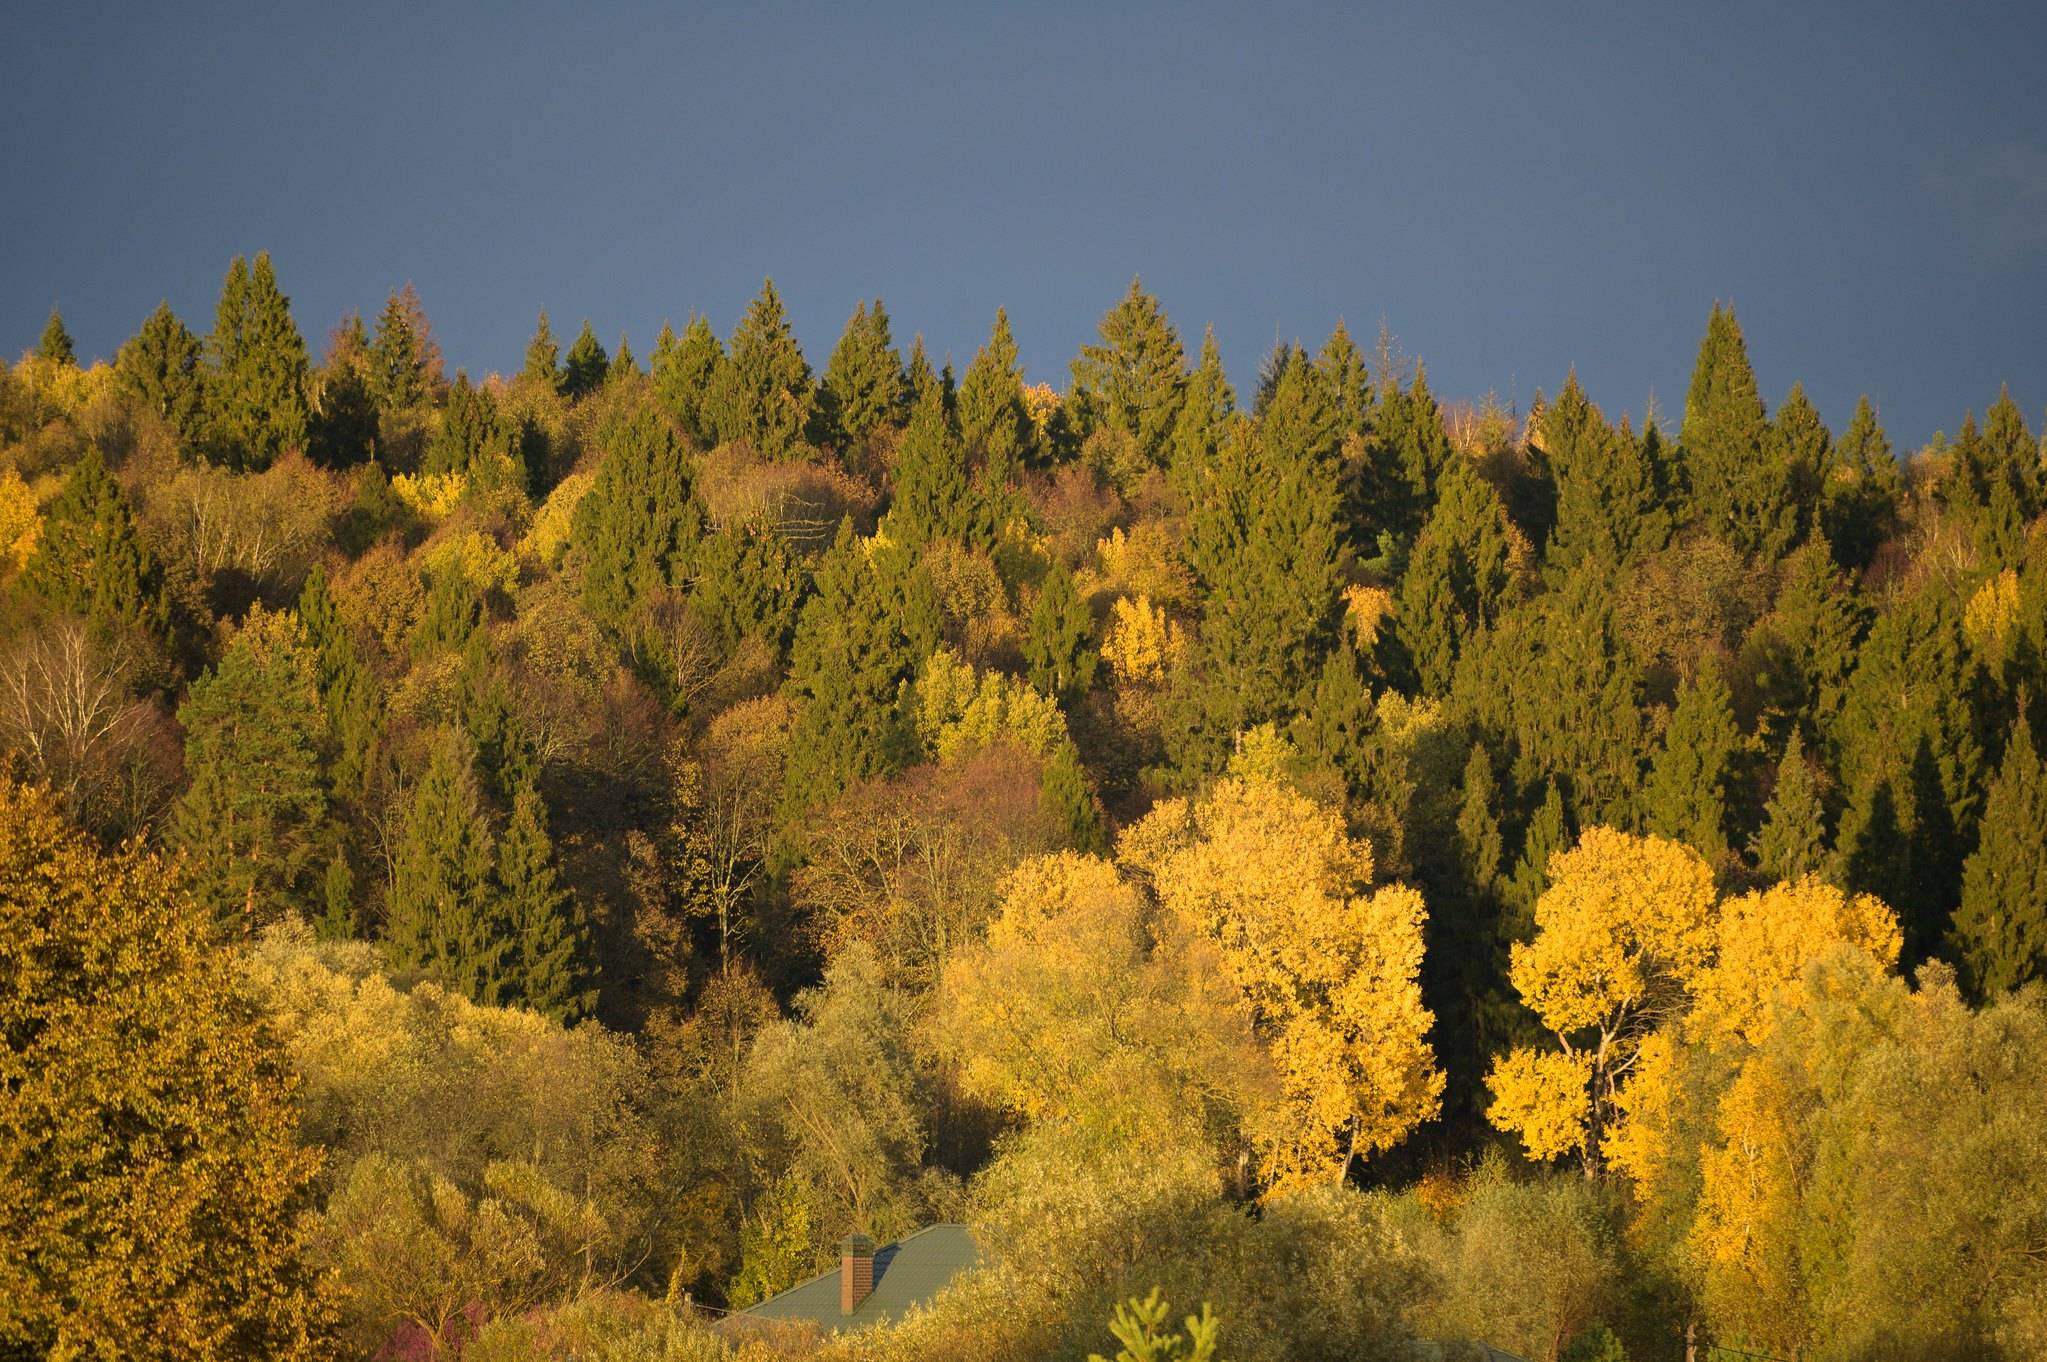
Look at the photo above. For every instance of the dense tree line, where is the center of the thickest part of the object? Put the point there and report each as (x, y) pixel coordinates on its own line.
(1532, 876)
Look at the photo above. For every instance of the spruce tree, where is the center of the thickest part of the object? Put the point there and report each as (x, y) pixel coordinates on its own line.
(348, 689)
(90, 560)
(1205, 409)
(1069, 799)
(344, 425)
(683, 375)
(507, 759)
(864, 387)
(623, 365)
(55, 343)
(2000, 931)
(252, 820)
(1456, 579)
(1816, 627)
(398, 376)
(1348, 380)
(1860, 504)
(441, 918)
(919, 378)
(1738, 491)
(1801, 444)
(546, 966)
(749, 584)
(584, 369)
(1686, 795)
(934, 497)
(763, 394)
(159, 368)
(256, 370)
(1132, 380)
(636, 529)
(1608, 508)
(1793, 839)
(994, 423)
(869, 624)
(1338, 728)
(337, 920)
(1548, 832)
(1057, 644)
(543, 357)
(469, 428)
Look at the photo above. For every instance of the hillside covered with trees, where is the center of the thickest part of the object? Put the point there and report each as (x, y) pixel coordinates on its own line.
(520, 865)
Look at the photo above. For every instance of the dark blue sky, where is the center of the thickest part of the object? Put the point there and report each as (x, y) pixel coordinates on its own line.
(1511, 190)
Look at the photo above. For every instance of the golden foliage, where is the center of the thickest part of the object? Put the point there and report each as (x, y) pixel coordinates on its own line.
(19, 522)
(958, 710)
(1991, 614)
(1540, 1095)
(431, 495)
(482, 563)
(1768, 937)
(1143, 644)
(1365, 611)
(547, 539)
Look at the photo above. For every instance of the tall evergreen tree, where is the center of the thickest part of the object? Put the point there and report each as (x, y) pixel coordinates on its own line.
(864, 387)
(90, 560)
(1058, 643)
(994, 423)
(543, 356)
(763, 394)
(469, 429)
(1860, 504)
(1409, 447)
(348, 689)
(1608, 507)
(584, 368)
(934, 496)
(623, 365)
(251, 823)
(1348, 380)
(1814, 630)
(1548, 832)
(1800, 442)
(1132, 380)
(159, 368)
(546, 966)
(55, 343)
(2000, 930)
(1793, 838)
(1457, 578)
(344, 426)
(441, 917)
(2007, 455)
(256, 370)
(1205, 410)
(1738, 491)
(398, 376)
(1338, 729)
(683, 377)
(636, 529)
(1686, 794)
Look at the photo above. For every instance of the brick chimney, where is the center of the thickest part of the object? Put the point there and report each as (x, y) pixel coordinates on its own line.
(856, 1272)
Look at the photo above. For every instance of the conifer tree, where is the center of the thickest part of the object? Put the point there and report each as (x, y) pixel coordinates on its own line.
(864, 387)
(1067, 796)
(683, 376)
(748, 585)
(55, 343)
(2008, 455)
(1793, 839)
(934, 497)
(1608, 508)
(337, 920)
(398, 377)
(1057, 644)
(1686, 794)
(256, 370)
(1338, 728)
(994, 423)
(1456, 579)
(636, 529)
(251, 821)
(1299, 412)
(90, 560)
(1347, 379)
(546, 966)
(919, 378)
(348, 689)
(1205, 410)
(868, 626)
(159, 368)
(1132, 380)
(344, 425)
(1548, 832)
(1817, 622)
(1738, 491)
(1479, 844)
(763, 394)
(1409, 447)
(623, 365)
(1800, 442)
(440, 917)
(469, 427)
(507, 760)
(455, 611)
(1859, 505)
(584, 368)
(2000, 930)
(543, 356)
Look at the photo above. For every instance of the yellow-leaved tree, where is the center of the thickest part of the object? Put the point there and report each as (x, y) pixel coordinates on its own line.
(1325, 964)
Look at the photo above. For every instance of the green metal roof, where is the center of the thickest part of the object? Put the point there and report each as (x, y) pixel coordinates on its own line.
(908, 1272)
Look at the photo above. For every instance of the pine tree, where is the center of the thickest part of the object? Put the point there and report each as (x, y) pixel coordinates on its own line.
(1816, 625)
(623, 365)
(683, 376)
(546, 966)
(55, 344)
(398, 377)
(1686, 795)
(1338, 727)
(1860, 504)
(1205, 410)
(1348, 380)
(994, 423)
(344, 426)
(543, 357)
(1456, 579)
(440, 917)
(864, 387)
(1738, 491)
(584, 370)
(1801, 444)
(1057, 644)
(2007, 455)
(251, 821)
(2000, 930)
(90, 559)
(1793, 839)
(748, 585)
(469, 428)
(256, 370)
(1608, 508)
(1132, 380)
(763, 394)
(919, 378)
(348, 689)
(934, 497)
(159, 368)
(871, 622)
(636, 529)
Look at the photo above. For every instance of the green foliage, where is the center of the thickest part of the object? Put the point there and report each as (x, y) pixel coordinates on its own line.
(543, 357)
(777, 1243)
(256, 364)
(1739, 490)
(1685, 798)
(638, 528)
(2000, 930)
(1548, 832)
(440, 917)
(90, 559)
(623, 366)
(1409, 448)
(1609, 507)
(1859, 505)
(400, 378)
(1456, 580)
(585, 366)
(470, 429)
(159, 368)
(1058, 643)
(150, 1184)
(994, 423)
(1205, 409)
(934, 496)
(55, 343)
(763, 394)
(1793, 840)
(864, 386)
(546, 968)
(1131, 381)
(1347, 379)
(683, 373)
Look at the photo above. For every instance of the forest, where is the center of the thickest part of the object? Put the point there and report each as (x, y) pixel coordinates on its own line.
(520, 866)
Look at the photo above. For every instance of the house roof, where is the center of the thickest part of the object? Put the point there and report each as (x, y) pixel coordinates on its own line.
(908, 1272)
